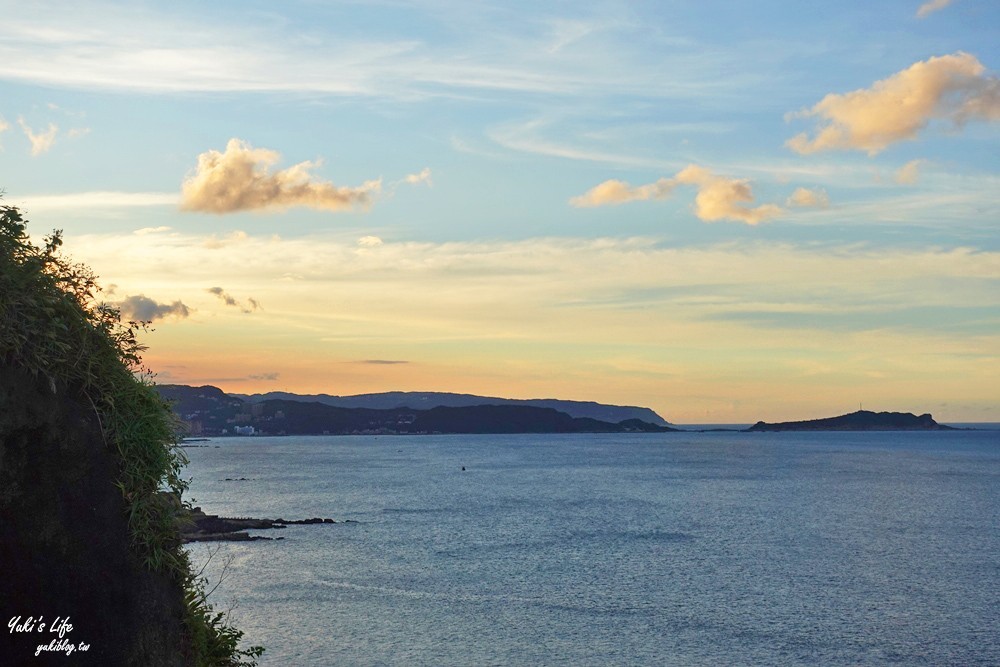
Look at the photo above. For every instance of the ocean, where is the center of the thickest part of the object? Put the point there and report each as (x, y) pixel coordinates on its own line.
(637, 549)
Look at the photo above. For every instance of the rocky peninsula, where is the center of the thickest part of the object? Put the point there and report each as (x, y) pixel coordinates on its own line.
(200, 527)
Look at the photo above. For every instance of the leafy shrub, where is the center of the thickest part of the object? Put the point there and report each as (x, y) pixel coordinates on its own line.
(52, 325)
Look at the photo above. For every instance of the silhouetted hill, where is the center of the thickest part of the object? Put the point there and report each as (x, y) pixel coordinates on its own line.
(862, 420)
(425, 400)
(516, 419)
(209, 411)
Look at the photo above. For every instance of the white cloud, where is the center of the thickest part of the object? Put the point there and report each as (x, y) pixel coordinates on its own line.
(152, 230)
(370, 242)
(250, 306)
(909, 173)
(240, 179)
(619, 192)
(717, 198)
(721, 198)
(234, 237)
(423, 177)
(805, 198)
(932, 6)
(4, 126)
(954, 88)
(143, 309)
(41, 142)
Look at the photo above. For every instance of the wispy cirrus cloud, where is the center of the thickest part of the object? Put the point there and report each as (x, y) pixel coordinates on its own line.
(96, 200)
(161, 49)
(717, 198)
(4, 126)
(955, 88)
(241, 179)
(528, 137)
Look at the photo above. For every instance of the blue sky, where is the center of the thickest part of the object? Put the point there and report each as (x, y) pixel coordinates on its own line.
(724, 211)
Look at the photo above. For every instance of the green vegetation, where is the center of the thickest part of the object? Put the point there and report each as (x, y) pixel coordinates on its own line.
(52, 325)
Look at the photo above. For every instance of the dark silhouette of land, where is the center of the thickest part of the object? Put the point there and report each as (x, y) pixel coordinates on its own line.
(208, 411)
(425, 400)
(862, 420)
(196, 526)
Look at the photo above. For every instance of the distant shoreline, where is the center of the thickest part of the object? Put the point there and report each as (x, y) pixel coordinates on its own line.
(207, 411)
(678, 429)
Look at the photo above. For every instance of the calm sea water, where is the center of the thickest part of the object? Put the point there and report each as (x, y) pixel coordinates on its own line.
(667, 549)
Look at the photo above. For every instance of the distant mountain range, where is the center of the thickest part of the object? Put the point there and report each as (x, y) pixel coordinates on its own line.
(208, 411)
(862, 420)
(425, 400)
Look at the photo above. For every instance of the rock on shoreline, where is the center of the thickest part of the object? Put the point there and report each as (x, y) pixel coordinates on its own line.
(200, 527)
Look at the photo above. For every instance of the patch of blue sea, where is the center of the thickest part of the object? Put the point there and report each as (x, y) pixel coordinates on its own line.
(697, 549)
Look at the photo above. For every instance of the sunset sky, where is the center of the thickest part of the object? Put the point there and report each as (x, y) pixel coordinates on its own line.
(725, 211)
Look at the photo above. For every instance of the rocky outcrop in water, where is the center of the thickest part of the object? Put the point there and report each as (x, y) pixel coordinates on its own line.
(200, 527)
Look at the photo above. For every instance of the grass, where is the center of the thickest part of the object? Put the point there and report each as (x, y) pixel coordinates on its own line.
(53, 325)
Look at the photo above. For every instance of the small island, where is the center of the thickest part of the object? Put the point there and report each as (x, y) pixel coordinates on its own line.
(862, 420)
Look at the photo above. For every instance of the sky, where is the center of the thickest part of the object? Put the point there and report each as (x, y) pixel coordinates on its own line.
(725, 211)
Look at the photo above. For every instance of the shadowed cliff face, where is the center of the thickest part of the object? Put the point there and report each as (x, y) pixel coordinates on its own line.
(64, 542)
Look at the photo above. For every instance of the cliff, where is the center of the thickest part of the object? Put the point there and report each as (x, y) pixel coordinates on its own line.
(91, 567)
(65, 544)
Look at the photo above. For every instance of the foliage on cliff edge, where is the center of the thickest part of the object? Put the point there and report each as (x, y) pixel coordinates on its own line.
(52, 325)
